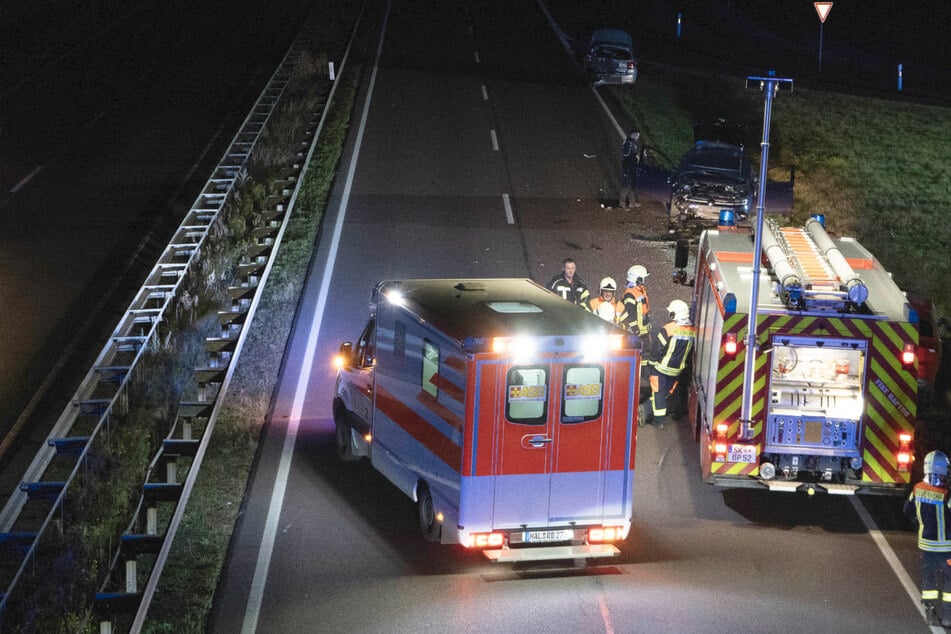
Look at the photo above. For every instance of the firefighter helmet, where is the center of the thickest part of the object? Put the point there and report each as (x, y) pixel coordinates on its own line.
(608, 284)
(636, 274)
(936, 468)
(679, 311)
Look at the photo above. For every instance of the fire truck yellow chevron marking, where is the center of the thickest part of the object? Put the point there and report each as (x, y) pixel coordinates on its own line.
(872, 464)
(903, 389)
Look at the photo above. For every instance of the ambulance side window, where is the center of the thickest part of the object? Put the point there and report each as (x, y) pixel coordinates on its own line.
(430, 367)
(583, 397)
(363, 356)
(526, 398)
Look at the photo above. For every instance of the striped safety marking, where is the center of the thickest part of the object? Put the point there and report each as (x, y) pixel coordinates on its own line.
(890, 393)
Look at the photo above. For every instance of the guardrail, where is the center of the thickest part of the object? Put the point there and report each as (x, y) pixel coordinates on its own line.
(103, 393)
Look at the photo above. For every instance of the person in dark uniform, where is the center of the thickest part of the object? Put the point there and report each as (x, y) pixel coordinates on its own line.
(569, 284)
(631, 154)
(928, 507)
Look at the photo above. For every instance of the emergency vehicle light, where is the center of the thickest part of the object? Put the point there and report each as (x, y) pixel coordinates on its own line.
(903, 457)
(719, 445)
(601, 534)
(519, 347)
(486, 540)
(729, 303)
(908, 356)
(729, 344)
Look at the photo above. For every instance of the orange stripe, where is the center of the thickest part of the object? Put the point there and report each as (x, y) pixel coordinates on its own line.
(419, 428)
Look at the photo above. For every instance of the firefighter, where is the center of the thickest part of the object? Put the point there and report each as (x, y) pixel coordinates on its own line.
(666, 360)
(928, 506)
(569, 284)
(636, 315)
(606, 305)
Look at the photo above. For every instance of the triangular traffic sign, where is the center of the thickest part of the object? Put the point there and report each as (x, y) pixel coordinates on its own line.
(823, 8)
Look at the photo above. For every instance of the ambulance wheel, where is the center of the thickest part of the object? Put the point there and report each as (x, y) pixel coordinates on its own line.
(427, 514)
(342, 434)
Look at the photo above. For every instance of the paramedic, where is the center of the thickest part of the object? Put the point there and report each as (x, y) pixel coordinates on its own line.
(636, 315)
(631, 155)
(569, 284)
(927, 506)
(667, 359)
(606, 305)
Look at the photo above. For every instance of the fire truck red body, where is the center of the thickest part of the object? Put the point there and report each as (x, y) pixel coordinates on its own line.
(833, 383)
(506, 413)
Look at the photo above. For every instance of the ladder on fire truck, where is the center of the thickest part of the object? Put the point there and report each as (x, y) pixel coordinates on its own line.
(813, 274)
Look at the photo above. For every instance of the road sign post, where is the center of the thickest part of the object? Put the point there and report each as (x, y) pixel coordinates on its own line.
(822, 8)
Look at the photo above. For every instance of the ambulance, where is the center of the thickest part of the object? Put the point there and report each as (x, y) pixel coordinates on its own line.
(506, 413)
(831, 384)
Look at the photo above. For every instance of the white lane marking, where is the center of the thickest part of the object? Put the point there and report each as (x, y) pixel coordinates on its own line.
(256, 596)
(476, 54)
(495, 140)
(485, 93)
(509, 216)
(26, 179)
(910, 588)
(605, 615)
(471, 32)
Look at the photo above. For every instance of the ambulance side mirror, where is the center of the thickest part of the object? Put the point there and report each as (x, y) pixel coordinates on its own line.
(345, 355)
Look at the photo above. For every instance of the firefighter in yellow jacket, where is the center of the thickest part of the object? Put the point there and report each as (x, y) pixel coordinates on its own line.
(606, 304)
(928, 506)
(636, 316)
(667, 359)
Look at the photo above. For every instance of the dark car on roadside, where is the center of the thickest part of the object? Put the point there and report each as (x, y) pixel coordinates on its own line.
(714, 175)
(610, 58)
(929, 339)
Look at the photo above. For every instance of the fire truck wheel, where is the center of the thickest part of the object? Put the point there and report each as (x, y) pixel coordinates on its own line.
(427, 514)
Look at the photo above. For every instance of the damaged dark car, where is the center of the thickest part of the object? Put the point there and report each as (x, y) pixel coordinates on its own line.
(713, 176)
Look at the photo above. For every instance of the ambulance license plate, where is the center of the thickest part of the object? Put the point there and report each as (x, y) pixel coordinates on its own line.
(742, 453)
(540, 537)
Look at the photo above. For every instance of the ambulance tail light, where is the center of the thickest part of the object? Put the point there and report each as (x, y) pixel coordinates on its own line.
(908, 356)
(604, 534)
(486, 540)
(719, 443)
(904, 452)
(730, 345)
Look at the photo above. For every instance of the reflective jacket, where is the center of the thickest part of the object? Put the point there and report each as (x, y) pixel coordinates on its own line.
(672, 347)
(928, 504)
(636, 315)
(604, 308)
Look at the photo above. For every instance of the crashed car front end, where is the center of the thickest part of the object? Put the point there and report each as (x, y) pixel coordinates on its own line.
(702, 197)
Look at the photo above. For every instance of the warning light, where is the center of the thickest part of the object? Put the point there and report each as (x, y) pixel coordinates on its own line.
(601, 534)
(486, 540)
(908, 356)
(730, 345)
(719, 445)
(903, 457)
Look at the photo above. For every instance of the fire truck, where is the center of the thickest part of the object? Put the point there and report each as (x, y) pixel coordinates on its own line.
(831, 384)
(506, 413)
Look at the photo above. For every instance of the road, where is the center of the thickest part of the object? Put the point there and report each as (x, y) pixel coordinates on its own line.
(112, 115)
(476, 150)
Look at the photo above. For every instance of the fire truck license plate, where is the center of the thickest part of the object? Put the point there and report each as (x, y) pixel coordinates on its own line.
(742, 453)
(548, 536)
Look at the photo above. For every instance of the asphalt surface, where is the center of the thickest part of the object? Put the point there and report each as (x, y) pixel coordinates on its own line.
(421, 193)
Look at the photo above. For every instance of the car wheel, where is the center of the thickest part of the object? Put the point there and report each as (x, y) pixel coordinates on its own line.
(426, 513)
